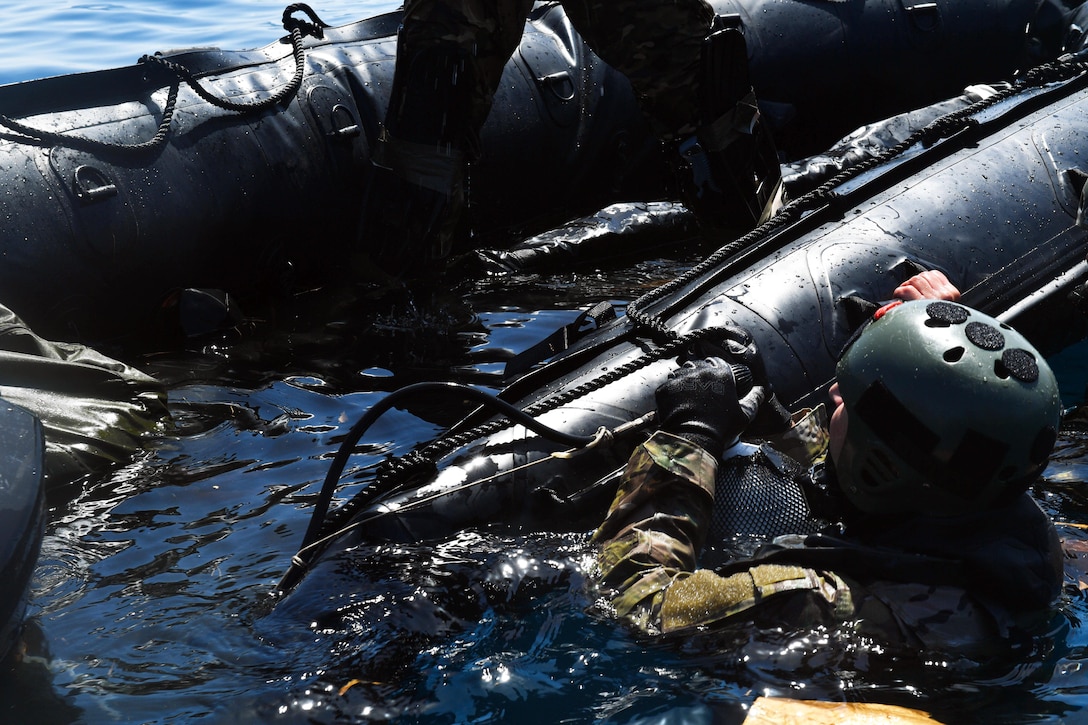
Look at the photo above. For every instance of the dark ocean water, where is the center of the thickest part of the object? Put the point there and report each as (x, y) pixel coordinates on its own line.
(152, 600)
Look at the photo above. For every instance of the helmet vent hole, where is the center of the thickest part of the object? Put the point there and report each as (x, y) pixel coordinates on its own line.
(953, 354)
(1000, 370)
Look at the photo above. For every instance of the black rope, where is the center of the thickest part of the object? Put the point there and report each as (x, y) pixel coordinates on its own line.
(242, 107)
(314, 28)
(655, 325)
(297, 28)
(38, 136)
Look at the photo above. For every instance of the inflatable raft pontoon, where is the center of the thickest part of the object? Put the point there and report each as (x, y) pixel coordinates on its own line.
(227, 170)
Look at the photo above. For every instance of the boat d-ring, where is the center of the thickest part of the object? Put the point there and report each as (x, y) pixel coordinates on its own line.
(92, 185)
(344, 123)
(560, 84)
(925, 16)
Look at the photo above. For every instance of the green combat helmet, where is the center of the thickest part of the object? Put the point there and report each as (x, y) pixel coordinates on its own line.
(948, 411)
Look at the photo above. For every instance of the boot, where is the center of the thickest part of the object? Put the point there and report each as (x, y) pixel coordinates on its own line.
(408, 224)
(416, 195)
(729, 174)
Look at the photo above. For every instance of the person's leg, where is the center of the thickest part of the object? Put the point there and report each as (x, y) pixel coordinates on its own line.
(450, 57)
(692, 82)
(658, 46)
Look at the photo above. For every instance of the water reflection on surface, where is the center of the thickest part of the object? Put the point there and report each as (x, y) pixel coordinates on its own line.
(153, 599)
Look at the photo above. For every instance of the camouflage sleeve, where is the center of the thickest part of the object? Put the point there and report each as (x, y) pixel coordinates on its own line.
(806, 440)
(656, 524)
(650, 540)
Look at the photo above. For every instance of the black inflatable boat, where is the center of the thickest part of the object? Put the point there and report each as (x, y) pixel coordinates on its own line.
(220, 169)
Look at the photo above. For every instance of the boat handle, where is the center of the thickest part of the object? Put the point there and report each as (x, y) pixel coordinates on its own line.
(92, 185)
(348, 130)
(925, 16)
(560, 84)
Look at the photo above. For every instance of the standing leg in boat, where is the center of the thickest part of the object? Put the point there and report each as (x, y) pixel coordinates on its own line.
(450, 58)
(690, 73)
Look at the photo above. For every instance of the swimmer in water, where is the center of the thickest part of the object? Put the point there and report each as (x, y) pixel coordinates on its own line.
(942, 417)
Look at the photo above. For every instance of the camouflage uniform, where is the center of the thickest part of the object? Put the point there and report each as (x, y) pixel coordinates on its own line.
(968, 582)
(450, 59)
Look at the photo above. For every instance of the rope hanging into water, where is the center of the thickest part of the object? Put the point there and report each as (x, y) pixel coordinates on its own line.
(356, 432)
(396, 471)
(602, 436)
(296, 27)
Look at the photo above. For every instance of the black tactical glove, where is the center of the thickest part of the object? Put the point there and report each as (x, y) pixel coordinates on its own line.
(772, 416)
(701, 402)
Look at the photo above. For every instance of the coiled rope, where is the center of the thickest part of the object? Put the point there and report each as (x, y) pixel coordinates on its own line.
(296, 27)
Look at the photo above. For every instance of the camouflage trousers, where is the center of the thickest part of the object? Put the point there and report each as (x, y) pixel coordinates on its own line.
(656, 45)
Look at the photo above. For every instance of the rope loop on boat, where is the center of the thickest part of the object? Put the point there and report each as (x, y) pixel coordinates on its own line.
(315, 28)
(287, 91)
(297, 29)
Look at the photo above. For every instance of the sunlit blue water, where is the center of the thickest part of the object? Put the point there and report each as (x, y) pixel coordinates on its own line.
(64, 36)
(151, 601)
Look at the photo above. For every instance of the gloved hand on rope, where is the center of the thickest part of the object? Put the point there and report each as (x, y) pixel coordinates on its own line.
(709, 403)
(772, 416)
